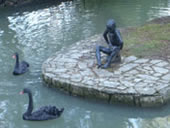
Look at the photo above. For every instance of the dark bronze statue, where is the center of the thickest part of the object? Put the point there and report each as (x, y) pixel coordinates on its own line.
(115, 44)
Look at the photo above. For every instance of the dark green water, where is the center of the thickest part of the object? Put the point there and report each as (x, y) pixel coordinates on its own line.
(37, 31)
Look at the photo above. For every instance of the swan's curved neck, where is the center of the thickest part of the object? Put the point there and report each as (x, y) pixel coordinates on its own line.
(17, 61)
(30, 105)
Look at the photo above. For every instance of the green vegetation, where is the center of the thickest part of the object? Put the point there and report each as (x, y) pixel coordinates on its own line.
(147, 40)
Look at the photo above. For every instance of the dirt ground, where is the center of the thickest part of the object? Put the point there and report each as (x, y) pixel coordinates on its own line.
(164, 52)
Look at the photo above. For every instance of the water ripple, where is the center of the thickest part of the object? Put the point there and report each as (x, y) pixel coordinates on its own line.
(38, 33)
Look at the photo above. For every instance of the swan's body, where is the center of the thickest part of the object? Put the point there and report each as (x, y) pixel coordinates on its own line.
(44, 113)
(20, 68)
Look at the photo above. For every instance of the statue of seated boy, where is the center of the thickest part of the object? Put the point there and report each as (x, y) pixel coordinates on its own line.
(115, 44)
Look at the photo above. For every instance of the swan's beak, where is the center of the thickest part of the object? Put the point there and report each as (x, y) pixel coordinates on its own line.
(21, 93)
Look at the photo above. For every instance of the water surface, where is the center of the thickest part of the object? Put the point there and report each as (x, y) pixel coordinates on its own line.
(37, 31)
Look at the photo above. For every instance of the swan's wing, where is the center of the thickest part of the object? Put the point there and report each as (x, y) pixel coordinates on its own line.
(51, 110)
(40, 116)
(24, 66)
(44, 113)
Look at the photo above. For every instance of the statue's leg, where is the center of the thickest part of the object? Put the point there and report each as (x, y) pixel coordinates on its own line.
(112, 56)
(98, 55)
(117, 59)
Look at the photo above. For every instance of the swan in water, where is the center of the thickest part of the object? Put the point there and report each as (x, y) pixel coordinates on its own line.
(43, 113)
(19, 68)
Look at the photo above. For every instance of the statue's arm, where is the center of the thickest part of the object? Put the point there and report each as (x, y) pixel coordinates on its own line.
(105, 36)
(119, 38)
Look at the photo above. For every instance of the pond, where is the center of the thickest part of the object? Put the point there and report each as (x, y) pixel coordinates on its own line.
(38, 30)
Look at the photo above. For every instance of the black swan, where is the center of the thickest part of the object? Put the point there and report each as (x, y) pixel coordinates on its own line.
(44, 113)
(19, 68)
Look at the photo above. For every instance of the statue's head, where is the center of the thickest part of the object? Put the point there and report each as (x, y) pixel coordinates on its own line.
(111, 25)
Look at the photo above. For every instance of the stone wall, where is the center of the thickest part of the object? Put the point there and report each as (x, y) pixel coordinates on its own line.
(136, 81)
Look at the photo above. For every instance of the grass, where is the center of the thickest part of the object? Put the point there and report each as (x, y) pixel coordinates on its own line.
(146, 40)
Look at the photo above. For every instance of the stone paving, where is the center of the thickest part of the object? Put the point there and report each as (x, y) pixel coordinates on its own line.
(136, 81)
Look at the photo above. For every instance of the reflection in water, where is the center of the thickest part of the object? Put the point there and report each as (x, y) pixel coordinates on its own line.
(161, 11)
(133, 123)
(38, 31)
(3, 112)
(158, 122)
